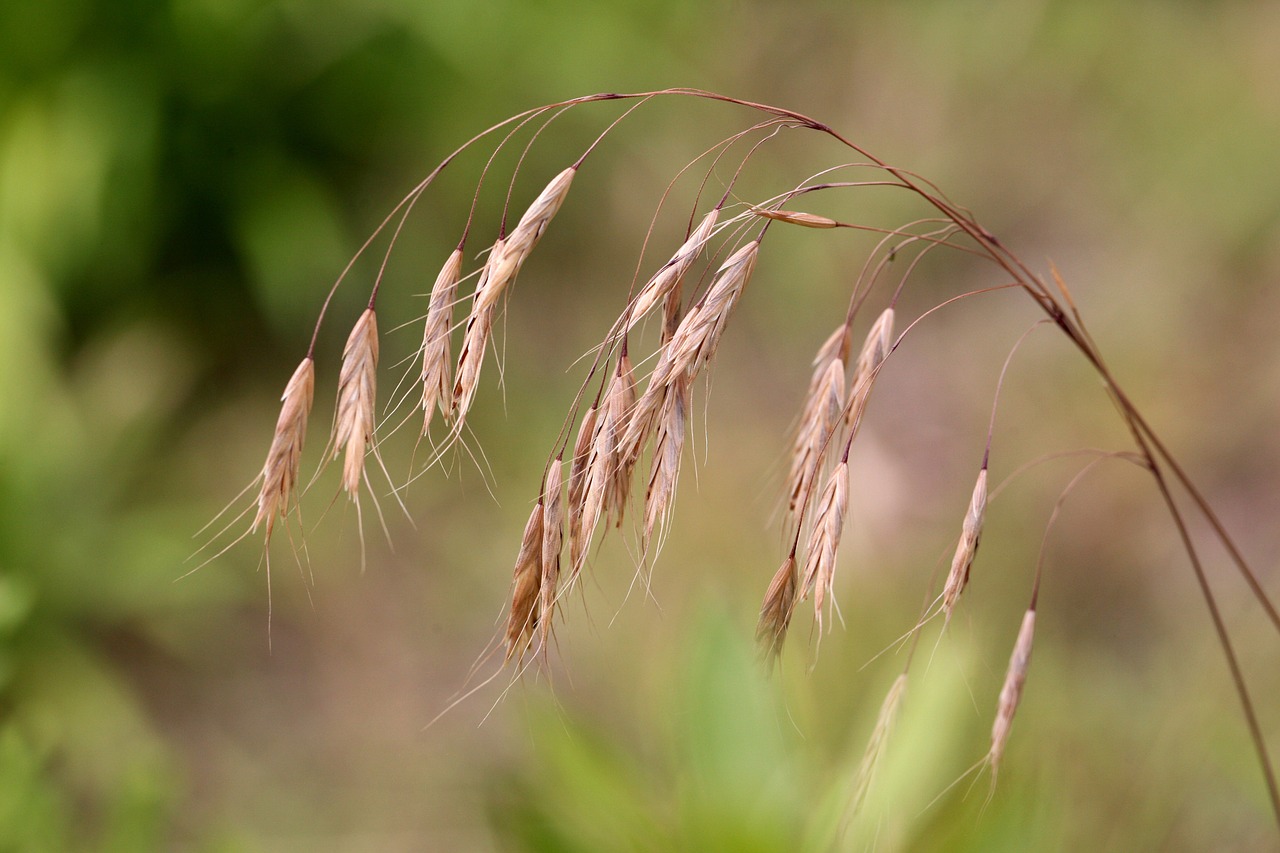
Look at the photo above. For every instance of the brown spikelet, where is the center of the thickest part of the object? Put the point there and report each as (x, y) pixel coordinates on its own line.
(526, 581)
(476, 337)
(696, 338)
(1011, 691)
(875, 747)
(357, 386)
(668, 278)
(875, 349)
(815, 435)
(607, 481)
(552, 538)
(280, 472)
(795, 217)
(578, 485)
(828, 525)
(775, 612)
(967, 547)
(668, 445)
(508, 255)
(436, 366)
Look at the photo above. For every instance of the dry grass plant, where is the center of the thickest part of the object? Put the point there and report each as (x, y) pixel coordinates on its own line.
(618, 425)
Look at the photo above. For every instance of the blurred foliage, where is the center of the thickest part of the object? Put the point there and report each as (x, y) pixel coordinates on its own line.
(179, 183)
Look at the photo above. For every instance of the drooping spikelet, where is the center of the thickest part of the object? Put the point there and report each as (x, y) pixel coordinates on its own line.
(875, 349)
(668, 446)
(967, 547)
(607, 481)
(475, 339)
(828, 525)
(815, 435)
(526, 581)
(280, 472)
(436, 359)
(357, 386)
(1011, 690)
(673, 271)
(552, 539)
(775, 612)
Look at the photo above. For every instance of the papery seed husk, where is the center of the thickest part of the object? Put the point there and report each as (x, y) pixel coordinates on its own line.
(795, 217)
(668, 446)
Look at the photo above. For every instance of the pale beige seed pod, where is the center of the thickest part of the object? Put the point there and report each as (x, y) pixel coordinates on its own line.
(1011, 690)
(526, 581)
(667, 279)
(436, 357)
(280, 471)
(552, 542)
(824, 541)
(875, 349)
(967, 547)
(357, 387)
(815, 435)
(607, 479)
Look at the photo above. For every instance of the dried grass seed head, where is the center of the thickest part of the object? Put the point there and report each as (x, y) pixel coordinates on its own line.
(967, 547)
(824, 541)
(436, 357)
(552, 541)
(1011, 690)
(667, 279)
(280, 471)
(775, 612)
(668, 445)
(526, 582)
(357, 387)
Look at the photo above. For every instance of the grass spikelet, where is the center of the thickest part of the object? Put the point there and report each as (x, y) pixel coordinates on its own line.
(436, 358)
(875, 349)
(875, 748)
(280, 471)
(820, 564)
(823, 406)
(552, 540)
(578, 485)
(795, 217)
(607, 479)
(668, 278)
(476, 337)
(508, 255)
(775, 612)
(1011, 691)
(967, 547)
(526, 582)
(357, 386)
(698, 335)
(668, 445)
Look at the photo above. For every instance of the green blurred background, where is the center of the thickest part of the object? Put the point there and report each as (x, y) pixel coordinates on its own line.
(181, 181)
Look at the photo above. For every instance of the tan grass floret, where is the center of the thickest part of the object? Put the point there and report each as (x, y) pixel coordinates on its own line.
(1011, 690)
(526, 582)
(357, 385)
(820, 565)
(436, 358)
(967, 547)
(552, 540)
(779, 604)
(280, 472)
(668, 278)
